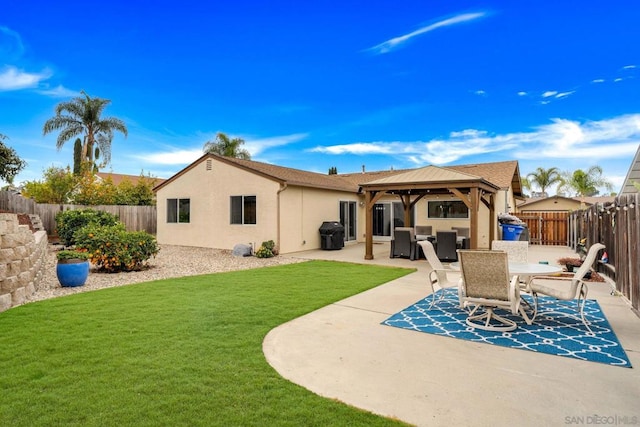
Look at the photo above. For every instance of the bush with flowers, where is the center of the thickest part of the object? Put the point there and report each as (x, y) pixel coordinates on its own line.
(113, 249)
(267, 250)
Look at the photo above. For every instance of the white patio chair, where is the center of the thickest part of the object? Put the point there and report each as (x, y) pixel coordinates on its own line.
(439, 275)
(517, 251)
(486, 283)
(576, 290)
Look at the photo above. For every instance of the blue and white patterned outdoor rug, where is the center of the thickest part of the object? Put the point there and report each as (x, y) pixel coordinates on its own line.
(551, 333)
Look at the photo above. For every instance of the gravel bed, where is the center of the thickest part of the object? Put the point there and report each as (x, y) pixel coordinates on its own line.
(171, 261)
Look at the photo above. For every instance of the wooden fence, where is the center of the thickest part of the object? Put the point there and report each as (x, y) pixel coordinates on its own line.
(135, 218)
(617, 226)
(546, 228)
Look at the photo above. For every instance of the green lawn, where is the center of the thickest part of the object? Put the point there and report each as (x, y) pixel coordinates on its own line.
(182, 351)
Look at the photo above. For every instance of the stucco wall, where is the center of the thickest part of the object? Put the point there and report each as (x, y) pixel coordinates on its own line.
(445, 224)
(303, 211)
(209, 192)
(22, 258)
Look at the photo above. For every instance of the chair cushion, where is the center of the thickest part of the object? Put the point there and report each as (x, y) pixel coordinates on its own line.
(553, 291)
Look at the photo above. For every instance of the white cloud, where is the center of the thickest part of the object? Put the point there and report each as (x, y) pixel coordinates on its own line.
(12, 78)
(628, 67)
(597, 81)
(522, 93)
(10, 43)
(619, 79)
(480, 92)
(257, 146)
(395, 42)
(58, 92)
(176, 157)
(564, 94)
(616, 138)
(549, 93)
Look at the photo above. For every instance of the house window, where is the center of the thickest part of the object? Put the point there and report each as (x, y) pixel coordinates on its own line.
(447, 209)
(178, 210)
(243, 210)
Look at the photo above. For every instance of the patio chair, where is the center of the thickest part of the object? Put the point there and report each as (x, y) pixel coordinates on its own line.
(446, 246)
(438, 275)
(462, 231)
(404, 243)
(423, 231)
(577, 289)
(486, 284)
(517, 251)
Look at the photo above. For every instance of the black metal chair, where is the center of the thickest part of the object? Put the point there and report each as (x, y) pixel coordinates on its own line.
(404, 243)
(446, 246)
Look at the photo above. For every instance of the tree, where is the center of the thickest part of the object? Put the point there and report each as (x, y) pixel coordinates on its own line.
(224, 146)
(56, 187)
(333, 170)
(545, 178)
(77, 156)
(525, 184)
(10, 163)
(82, 116)
(586, 183)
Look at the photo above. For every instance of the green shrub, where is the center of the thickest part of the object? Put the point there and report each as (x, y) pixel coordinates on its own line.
(263, 252)
(267, 249)
(62, 255)
(70, 221)
(113, 249)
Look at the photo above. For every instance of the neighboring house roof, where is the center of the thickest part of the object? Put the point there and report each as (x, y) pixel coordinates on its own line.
(537, 200)
(633, 175)
(501, 174)
(596, 199)
(577, 200)
(117, 178)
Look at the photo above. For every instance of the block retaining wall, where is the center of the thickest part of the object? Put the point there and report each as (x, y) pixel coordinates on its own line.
(22, 260)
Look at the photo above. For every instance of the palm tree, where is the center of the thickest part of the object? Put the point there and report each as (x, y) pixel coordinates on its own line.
(82, 116)
(227, 147)
(545, 178)
(586, 183)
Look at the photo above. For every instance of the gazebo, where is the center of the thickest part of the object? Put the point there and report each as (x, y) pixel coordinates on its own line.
(412, 186)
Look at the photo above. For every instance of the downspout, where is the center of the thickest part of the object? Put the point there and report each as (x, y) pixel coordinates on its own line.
(283, 187)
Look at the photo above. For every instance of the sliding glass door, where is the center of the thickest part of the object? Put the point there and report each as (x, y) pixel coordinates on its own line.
(348, 219)
(386, 217)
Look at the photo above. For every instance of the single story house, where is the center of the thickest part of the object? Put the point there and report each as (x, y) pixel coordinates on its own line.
(560, 203)
(218, 202)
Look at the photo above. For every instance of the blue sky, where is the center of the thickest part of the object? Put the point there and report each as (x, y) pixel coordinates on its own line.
(312, 85)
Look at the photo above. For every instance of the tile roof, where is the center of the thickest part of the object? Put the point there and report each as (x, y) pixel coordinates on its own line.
(117, 178)
(498, 173)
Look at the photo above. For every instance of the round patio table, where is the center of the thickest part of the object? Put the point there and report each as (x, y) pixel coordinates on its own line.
(524, 268)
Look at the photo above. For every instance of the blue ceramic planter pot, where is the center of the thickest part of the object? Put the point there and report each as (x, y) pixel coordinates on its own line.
(72, 272)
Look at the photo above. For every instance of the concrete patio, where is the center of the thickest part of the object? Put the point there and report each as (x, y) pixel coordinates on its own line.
(343, 352)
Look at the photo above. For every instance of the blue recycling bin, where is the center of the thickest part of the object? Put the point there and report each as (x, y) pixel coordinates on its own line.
(511, 231)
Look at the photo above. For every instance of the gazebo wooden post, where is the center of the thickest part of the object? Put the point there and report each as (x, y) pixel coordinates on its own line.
(492, 218)
(406, 202)
(474, 213)
(368, 204)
